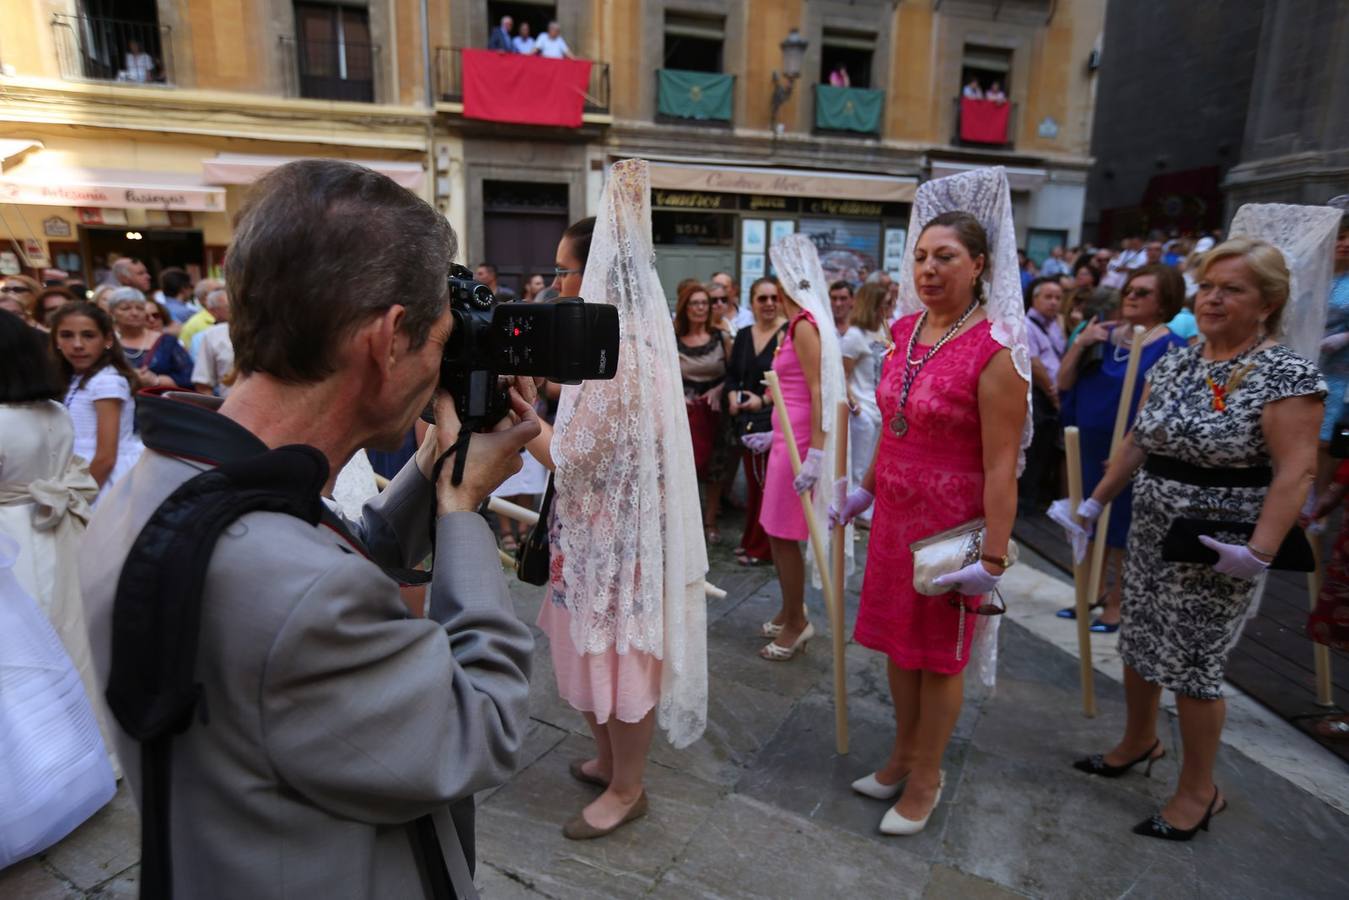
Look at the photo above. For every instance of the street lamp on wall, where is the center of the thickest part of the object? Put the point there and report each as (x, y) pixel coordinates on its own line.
(793, 53)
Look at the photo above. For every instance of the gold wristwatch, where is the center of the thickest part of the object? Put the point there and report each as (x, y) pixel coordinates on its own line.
(1004, 560)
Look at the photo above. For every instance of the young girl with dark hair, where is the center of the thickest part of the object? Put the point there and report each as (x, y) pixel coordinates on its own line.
(99, 396)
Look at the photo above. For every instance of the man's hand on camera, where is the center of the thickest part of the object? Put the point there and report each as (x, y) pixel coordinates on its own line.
(492, 457)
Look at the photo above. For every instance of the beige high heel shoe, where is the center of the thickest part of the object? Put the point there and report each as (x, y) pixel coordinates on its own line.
(895, 824)
(778, 653)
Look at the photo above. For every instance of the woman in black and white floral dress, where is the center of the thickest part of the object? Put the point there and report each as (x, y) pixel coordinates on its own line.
(1226, 432)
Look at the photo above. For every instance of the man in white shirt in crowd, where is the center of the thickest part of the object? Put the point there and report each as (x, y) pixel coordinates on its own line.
(840, 304)
(739, 316)
(1055, 264)
(553, 45)
(214, 352)
(1130, 257)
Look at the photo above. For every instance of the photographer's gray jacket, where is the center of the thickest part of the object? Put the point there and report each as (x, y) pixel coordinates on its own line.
(334, 718)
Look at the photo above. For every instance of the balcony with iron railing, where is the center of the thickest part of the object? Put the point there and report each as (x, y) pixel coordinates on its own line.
(984, 123)
(330, 70)
(450, 80)
(94, 48)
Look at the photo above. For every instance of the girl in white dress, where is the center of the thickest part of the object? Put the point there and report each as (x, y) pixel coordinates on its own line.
(45, 492)
(99, 396)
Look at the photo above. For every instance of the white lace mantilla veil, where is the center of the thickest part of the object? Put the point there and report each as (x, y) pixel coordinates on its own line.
(1306, 237)
(797, 263)
(631, 539)
(984, 194)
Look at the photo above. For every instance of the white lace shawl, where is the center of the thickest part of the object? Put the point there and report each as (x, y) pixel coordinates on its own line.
(797, 263)
(984, 194)
(1306, 237)
(634, 560)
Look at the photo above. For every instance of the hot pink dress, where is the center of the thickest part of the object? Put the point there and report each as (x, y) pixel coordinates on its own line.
(927, 481)
(781, 514)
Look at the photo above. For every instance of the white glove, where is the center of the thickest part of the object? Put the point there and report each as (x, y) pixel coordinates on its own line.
(1236, 560)
(810, 471)
(1079, 534)
(758, 442)
(852, 506)
(972, 581)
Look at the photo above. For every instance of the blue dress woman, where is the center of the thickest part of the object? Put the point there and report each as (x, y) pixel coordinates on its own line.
(1091, 382)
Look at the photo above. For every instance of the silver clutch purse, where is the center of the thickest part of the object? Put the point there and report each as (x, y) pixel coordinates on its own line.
(947, 552)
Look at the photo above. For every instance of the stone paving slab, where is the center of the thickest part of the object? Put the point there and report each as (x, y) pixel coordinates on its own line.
(761, 807)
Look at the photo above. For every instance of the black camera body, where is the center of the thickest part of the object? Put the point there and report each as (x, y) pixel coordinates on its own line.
(565, 340)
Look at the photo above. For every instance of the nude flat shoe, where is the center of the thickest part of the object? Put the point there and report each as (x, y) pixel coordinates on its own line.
(578, 829)
(581, 775)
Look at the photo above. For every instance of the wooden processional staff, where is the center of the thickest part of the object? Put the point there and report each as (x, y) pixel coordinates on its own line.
(830, 582)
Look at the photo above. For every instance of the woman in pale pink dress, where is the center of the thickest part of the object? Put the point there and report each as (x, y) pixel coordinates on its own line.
(625, 611)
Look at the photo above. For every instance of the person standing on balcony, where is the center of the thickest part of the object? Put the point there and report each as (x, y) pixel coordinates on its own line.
(839, 76)
(972, 90)
(996, 93)
(553, 45)
(524, 41)
(139, 65)
(500, 38)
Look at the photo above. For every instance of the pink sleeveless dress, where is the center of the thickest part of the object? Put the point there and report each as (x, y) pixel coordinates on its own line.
(927, 481)
(781, 515)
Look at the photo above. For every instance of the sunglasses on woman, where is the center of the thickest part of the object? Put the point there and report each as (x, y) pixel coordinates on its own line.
(983, 609)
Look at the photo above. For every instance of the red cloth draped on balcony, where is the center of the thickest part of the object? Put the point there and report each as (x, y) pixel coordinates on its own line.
(983, 121)
(527, 90)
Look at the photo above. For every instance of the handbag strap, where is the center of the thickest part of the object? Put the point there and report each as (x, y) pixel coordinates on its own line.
(547, 505)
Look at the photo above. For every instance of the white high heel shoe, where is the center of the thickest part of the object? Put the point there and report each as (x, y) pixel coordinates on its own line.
(870, 786)
(895, 824)
(770, 629)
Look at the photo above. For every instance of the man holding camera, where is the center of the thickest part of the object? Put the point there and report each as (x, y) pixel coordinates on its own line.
(335, 742)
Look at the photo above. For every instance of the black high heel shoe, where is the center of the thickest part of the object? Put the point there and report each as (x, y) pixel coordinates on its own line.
(1157, 827)
(1096, 764)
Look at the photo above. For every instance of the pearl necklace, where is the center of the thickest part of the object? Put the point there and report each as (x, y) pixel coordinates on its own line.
(1127, 345)
(899, 425)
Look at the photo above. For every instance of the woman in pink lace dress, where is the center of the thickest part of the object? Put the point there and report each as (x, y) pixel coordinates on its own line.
(952, 408)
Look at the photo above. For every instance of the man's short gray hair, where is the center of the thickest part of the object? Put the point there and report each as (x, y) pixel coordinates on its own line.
(205, 287)
(217, 298)
(123, 267)
(319, 248)
(123, 295)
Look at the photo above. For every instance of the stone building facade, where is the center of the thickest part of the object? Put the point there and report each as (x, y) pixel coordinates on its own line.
(161, 139)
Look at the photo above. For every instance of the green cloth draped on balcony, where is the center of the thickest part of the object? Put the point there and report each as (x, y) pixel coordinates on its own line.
(848, 108)
(695, 95)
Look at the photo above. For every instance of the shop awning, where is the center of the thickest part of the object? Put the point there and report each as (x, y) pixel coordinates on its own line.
(1018, 178)
(783, 182)
(52, 184)
(246, 168)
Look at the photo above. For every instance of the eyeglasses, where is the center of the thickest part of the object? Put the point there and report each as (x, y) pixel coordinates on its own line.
(766, 298)
(718, 301)
(1141, 293)
(563, 273)
(16, 289)
(983, 609)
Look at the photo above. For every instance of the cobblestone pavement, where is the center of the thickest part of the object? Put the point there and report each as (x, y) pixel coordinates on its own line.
(761, 806)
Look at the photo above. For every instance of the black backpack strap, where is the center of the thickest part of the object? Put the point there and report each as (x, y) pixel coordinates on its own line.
(156, 620)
